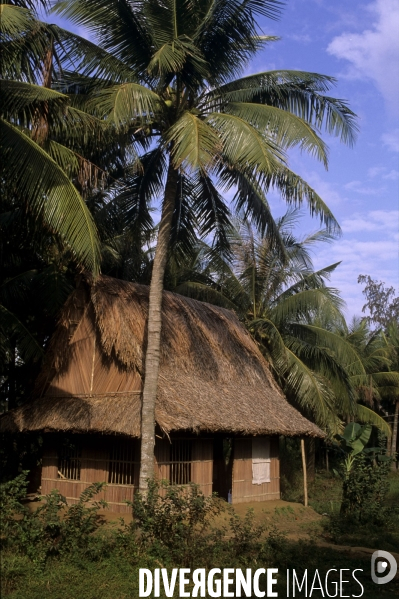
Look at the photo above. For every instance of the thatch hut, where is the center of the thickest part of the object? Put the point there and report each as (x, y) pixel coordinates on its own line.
(216, 398)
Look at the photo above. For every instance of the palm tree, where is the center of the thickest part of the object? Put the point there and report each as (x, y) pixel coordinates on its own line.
(36, 122)
(393, 394)
(280, 298)
(379, 384)
(296, 318)
(48, 147)
(208, 130)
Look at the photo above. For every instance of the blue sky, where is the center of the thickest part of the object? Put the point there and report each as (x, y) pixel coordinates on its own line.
(358, 43)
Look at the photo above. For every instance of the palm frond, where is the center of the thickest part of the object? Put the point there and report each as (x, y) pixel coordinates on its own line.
(10, 325)
(228, 34)
(286, 130)
(49, 195)
(14, 21)
(245, 147)
(368, 416)
(251, 203)
(119, 28)
(311, 391)
(194, 143)
(18, 96)
(304, 305)
(212, 214)
(121, 104)
(295, 191)
(297, 92)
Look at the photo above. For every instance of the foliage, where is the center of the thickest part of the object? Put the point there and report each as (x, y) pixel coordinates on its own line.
(107, 564)
(37, 125)
(365, 489)
(53, 528)
(382, 303)
(172, 522)
(296, 318)
(353, 442)
(364, 472)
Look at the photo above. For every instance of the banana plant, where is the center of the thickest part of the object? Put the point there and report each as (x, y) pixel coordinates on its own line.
(352, 443)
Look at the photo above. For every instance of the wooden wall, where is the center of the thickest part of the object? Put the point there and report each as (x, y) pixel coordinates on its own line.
(201, 461)
(243, 491)
(94, 468)
(95, 459)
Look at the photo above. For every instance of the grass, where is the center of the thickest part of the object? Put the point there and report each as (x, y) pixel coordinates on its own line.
(108, 568)
(117, 578)
(325, 498)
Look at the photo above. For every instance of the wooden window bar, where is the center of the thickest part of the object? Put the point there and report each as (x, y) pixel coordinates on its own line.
(121, 463)
(70, 463)
(180, 462)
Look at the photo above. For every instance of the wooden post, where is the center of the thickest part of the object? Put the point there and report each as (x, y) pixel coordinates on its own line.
(395, 434)
(305, 482)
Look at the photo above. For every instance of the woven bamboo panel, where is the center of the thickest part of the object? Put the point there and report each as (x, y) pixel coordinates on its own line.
(78, 378)
(201, 462)
(96, 467)
(243, 489)
(202, 465)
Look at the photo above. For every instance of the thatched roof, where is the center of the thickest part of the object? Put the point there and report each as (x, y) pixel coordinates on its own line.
(212, 375)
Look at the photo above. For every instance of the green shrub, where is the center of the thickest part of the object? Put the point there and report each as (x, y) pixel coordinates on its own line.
(365, 489)
(172, 522)
(54, 528)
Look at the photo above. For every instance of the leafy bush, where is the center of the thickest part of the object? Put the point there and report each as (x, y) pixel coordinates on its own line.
(366, 488)
(54, 528)
(172, 522)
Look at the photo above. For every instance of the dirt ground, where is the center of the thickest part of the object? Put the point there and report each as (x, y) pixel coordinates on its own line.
(292, 519)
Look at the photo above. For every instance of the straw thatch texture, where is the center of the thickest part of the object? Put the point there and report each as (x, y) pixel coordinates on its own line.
(212, 375)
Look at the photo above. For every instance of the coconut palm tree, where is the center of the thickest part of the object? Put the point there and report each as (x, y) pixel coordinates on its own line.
(393, 394)
(180, 86)
(379, 384)
(36, 121)
(294, 315)
(48, 146)
(279, 296)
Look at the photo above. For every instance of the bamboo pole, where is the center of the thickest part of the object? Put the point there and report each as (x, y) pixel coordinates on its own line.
(305, 482)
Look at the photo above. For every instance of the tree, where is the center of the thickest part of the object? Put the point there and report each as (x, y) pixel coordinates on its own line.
(36, 167)
(292, 313)
(382, 303)
(205, 128)
(48, 145)
(383, 306)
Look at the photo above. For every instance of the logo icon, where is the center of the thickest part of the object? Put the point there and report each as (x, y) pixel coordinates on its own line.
(380, 560)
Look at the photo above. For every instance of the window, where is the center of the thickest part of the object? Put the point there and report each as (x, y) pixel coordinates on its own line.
(180, 461)
(70, 461)
(122, 462)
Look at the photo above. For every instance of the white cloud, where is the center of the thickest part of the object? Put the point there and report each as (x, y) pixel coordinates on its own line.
(382, 172)
(391, 140)
(375, 258)
(359, 187)
(303, 39)
(369, 246)
(374, 53)
(393, 175)
(375, 171)
(375, 220)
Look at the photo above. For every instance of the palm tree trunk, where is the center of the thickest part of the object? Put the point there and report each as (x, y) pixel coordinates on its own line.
(395, 433)
(40, 128)
(152, 356)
